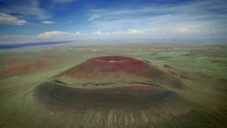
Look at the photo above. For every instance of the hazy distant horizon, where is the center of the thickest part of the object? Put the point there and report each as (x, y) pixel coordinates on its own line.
(111, 42)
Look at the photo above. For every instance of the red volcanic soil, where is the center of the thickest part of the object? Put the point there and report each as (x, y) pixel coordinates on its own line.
(110, 66)
(21, 68)
(21, 64)
(117, 63)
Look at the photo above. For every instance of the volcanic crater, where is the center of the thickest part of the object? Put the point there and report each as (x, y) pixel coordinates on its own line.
(109, 82)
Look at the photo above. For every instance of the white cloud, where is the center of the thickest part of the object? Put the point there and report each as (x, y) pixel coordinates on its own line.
(169, 25)
(117, 32)
(27, 8)
(134, 31)
(130, 33)
(93, 17)
(186, 30)
(57, 36)
(60, 35)
(183, 19)
(53, 34)
(97, 33)
(48, 22)
(10, 19)
(33, 8)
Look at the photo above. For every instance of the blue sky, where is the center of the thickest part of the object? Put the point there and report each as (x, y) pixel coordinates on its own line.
(59, 20)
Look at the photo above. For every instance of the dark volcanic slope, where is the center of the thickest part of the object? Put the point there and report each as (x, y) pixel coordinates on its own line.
(126, 96)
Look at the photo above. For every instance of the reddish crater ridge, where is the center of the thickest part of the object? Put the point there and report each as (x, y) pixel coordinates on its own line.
(109, 69)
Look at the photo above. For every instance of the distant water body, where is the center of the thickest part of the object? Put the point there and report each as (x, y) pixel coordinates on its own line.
(20, 45)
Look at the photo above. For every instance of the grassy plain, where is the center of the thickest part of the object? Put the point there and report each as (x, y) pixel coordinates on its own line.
(201, 67)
